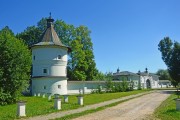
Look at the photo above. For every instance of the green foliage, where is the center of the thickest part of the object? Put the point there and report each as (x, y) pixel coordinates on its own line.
(117, 86)
(98, 90)
(124, 86)
(99, 76)
(163, 74)
(167, 110)
(15, 63)
(171, 56)
(30, 36)
(109, 85)
(81, 64)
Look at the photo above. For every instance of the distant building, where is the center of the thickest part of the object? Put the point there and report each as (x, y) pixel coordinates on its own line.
(145, 79)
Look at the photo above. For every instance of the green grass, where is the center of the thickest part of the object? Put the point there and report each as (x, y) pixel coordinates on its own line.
(167, 110)
(39, 106)
(35, 106)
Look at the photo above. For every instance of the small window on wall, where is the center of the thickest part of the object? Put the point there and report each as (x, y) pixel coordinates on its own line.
(59, 86)
(34, 57)
(45, 71)
(59, 57)
(44, 87)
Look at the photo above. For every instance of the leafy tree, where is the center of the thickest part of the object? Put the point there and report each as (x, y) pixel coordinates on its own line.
(66, 32)
(78, 64)
(82, 61)
(163, 74)
(15, 62)
(30, 36)
(171, 56)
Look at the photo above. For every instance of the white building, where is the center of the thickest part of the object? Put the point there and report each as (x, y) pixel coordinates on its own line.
(146, 79)
(49, 58)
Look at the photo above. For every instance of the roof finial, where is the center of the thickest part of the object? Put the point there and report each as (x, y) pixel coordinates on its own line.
(50, 15)
(118, 70)
(50, 21)
(146, 70)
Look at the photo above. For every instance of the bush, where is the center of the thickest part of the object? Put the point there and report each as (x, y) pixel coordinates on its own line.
(118, 86)
(98, 90)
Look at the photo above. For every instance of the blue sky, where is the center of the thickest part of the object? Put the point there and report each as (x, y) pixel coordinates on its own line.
(125, 33)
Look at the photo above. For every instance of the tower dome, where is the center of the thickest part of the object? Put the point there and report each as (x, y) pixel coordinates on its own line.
(49, 58)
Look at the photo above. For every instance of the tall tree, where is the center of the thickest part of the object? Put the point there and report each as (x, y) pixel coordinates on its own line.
(171, 56)
(15, 63)
(88, 67)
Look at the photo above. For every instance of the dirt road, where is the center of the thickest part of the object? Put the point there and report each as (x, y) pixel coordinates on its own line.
(136, 109)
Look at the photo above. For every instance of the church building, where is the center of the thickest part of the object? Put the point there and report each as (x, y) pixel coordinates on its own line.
(145, 79)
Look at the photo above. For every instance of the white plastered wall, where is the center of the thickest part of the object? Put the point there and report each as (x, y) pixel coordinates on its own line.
(49, 85)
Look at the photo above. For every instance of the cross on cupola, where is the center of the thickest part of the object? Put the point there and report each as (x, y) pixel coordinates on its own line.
(50, 21)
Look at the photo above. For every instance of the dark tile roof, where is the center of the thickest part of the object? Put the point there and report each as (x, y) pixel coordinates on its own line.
(125, 73)
(50, 37)
(153, 74)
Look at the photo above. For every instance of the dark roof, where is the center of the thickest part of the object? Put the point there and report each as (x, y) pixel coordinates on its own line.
(125, 73)
(153, 74)
(143, 73)
(50, 37)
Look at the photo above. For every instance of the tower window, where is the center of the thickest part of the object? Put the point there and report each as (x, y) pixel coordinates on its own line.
(59, 57)
(44, 70)
(44, 87)
(59, 86)
(34, 57)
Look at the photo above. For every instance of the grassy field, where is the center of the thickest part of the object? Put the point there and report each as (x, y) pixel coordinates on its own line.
(38, 105)
(167, 110)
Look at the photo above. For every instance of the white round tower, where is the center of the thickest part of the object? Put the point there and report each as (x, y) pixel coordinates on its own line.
(49, 58)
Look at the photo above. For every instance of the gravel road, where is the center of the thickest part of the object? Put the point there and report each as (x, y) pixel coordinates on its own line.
(140, 108)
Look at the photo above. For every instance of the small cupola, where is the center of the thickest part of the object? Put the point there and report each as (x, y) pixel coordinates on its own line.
(118, 70)
(139, 72)
(146, 70)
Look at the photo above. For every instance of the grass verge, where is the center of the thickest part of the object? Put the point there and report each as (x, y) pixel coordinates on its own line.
(167, 109)
(39, 106)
